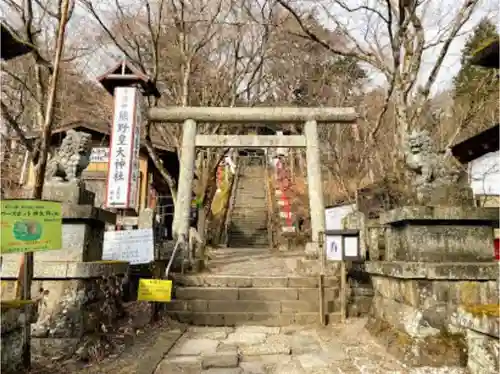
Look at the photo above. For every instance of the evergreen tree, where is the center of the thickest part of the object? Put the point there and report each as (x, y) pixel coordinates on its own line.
(475, 80)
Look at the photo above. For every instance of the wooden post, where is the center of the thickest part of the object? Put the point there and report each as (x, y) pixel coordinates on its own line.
(342, 292)
(321, 279)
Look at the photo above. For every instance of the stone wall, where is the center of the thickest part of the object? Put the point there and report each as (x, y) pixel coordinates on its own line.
(77, 302)
(12, 321)
(482, 331)
(414, 305)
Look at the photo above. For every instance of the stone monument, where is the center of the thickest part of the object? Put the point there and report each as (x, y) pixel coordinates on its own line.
(436, 179)
(63, 179)
(438, 258)
(71, 159)
(77, 292)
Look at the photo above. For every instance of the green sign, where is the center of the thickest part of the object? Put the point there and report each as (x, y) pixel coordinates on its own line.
(30, 225)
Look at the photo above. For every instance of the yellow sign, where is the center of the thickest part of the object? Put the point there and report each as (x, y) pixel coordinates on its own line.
(154, 290)
(30, 225)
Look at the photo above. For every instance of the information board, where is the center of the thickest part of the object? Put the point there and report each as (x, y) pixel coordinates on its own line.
(158, 290)
(333, 244)
(30, 225)
(133, 246)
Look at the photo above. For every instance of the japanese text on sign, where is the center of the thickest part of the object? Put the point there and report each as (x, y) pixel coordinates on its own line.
(158, 290)
(124, 163)
(30, 225)
(99, 154)
(133, 246)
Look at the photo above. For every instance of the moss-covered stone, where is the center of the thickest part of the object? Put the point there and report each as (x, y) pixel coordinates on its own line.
(490, 310)
(441, 350)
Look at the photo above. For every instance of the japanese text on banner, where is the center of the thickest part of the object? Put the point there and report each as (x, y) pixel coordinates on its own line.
(122, 165)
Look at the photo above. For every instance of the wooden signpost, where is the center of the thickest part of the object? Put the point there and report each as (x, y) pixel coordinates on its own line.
(341, 246)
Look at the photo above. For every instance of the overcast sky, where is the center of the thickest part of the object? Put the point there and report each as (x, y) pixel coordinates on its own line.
(438, 15)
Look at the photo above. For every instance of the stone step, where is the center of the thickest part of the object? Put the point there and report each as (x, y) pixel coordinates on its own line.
(246, 243)
(239, 281)
(247, 236)
(242, 221)
(258, 197)
(307, 294)
(250, 196)
(249, 224)
(248, 212)
(264, 319)
(247, 306)
(251, 205)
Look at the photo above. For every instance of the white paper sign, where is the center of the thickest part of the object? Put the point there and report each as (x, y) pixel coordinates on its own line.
(333, 244)
(122, 165)
(351, 246)
(99, 154)
(134, 246)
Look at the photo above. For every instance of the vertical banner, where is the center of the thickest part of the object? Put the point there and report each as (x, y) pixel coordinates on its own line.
(136, 180)
(123, 165)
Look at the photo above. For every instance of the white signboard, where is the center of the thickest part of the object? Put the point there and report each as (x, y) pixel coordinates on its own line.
(134, 246)
(351, 246)
(122, 167)
(333, 244)
(99, 154)
(335, 215)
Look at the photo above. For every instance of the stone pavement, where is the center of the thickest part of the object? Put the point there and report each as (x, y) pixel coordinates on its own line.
(254, 261)
(342, 349)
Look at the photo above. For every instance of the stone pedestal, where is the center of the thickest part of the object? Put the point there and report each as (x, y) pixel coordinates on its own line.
(66, 192)
(438, 260)
(74, 286)
(415, 303)
(437, 234)
(75, 300)
(82, 237)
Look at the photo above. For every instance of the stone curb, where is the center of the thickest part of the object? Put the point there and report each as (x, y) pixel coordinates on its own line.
(162, 346)
(425, 270)
(86, 212)
(485, 324)
(409, 213)
(68, 270)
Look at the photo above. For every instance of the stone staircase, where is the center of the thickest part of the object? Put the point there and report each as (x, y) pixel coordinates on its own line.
(212, 300)
(249, 215)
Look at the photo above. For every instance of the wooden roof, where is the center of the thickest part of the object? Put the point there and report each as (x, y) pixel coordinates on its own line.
(478, 145)
(125, 74)
(487, 56)
(10, 44)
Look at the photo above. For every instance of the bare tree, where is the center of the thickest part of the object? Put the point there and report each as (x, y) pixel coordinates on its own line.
(45, 100)
(197, 53)
(391, 38)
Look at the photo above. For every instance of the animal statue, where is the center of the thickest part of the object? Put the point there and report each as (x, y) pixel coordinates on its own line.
(420, 158)
(435, 177)
(71, 159)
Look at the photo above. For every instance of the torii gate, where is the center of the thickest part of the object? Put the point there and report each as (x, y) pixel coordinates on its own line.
(311, 117)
